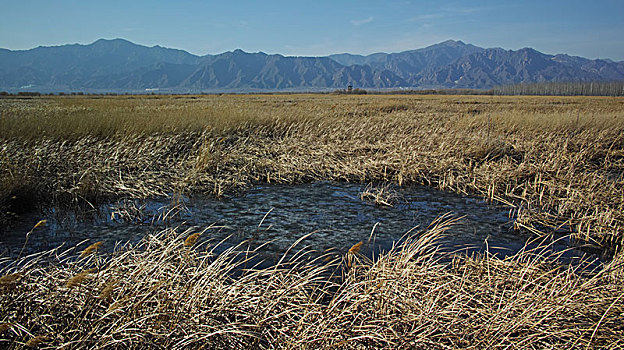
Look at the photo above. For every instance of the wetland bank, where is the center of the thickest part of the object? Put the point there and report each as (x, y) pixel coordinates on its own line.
(557, 161)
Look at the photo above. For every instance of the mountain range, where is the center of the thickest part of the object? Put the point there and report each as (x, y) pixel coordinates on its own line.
(119, 65)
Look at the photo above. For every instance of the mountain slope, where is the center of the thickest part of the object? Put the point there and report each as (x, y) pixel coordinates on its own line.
(121, 65)
(239, 69)
(408, 64)
(490, 67)
(74, 65)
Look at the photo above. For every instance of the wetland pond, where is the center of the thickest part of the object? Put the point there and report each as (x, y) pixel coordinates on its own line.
(334, 213)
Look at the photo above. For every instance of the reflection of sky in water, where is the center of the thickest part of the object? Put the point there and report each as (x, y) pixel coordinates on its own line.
(333, 211)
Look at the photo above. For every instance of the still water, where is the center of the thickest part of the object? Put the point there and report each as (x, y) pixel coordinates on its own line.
(280, 214)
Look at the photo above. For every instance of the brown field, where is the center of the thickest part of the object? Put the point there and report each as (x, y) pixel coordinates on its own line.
(559, 161)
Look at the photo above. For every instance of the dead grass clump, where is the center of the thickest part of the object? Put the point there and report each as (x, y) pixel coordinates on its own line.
(161, 294)
(383, 195)
(128, 210)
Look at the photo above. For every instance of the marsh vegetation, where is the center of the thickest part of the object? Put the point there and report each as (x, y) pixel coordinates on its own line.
(557, 161)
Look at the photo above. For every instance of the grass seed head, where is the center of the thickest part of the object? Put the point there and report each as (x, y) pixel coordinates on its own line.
(118, 304)
(5, 327)
(37, 341)
(91, 249)
(10, 278)
(40, 223)
(79, 278)
(107, 292)
(8, 282)
(356, 248)
(192, 239)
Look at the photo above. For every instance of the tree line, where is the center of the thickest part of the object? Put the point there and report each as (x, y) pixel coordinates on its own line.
(613, 88)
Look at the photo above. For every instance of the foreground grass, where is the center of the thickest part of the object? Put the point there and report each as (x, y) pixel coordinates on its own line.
(173, 290)
(558, 160)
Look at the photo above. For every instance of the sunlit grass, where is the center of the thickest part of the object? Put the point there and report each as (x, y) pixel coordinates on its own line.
(163, 293)
(559, 160)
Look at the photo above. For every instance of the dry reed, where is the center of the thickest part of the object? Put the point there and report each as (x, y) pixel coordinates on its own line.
(160, 294)
(380, 195)
(558, 160)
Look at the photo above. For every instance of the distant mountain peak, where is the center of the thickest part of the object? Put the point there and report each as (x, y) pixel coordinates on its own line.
(113, 41)
(452, 43)
(528, 49)
(241, 52)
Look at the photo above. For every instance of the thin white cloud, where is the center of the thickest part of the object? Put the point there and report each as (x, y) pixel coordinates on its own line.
(447, 12)
(463, 10)
(427, 17)
(359, 22)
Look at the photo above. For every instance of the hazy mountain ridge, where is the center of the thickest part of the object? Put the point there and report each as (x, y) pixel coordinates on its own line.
(121, 65)
(497, 67)
(409, 64)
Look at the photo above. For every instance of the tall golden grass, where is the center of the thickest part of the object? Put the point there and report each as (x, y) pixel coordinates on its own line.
(558, 160)
(162, 294)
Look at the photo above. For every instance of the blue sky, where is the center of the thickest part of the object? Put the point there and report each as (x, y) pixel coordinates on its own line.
(593, 29)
